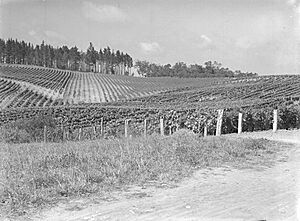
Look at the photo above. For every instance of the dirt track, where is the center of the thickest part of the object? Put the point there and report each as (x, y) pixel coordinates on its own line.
(258, 193)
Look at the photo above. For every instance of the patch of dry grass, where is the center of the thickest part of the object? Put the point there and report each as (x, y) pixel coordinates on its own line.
(38, 174)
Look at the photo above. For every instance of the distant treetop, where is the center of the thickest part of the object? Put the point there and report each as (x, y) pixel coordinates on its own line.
(180, 69)
(105, 60)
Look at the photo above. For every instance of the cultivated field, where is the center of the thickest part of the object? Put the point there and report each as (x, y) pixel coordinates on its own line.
(85, 100)
(89, 107)
(30, 86)
(232, 93)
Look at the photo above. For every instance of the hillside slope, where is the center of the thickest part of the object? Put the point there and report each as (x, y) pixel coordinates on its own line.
(240, 93)
(30, 86)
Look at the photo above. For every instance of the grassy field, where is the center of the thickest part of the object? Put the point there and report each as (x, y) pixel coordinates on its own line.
(36, 175)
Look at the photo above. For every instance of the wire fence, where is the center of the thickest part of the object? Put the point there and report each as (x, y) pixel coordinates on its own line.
(143, 128)
(223, 122)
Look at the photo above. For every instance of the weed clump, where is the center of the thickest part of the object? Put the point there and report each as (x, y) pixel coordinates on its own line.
(27, 130)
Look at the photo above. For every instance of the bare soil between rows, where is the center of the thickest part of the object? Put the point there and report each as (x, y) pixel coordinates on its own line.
(259, 192)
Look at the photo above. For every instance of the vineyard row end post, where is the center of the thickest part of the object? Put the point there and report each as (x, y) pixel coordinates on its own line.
(126, 128)
(145, 128)
(205, 131)
(275, 120)
(94, 132)
(219, 122)
(101, 126)
(45, 134)
(63, 133)
(240, 123)
(79, 133)
(66, 133)
(162, 127)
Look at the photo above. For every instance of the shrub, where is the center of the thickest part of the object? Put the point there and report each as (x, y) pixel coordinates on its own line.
(13, 134)
(27, 130)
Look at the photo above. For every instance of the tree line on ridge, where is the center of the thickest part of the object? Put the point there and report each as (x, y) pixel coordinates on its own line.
(106, 60)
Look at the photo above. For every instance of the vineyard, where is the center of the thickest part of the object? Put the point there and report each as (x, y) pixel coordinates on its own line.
(86, 101)
(260, 91)
(97, 121)
(30, 86)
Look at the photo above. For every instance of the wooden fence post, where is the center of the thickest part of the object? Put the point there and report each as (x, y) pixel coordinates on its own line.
(162, 127)
(275, 120)
(126, 128)
(240, 123)
(101, 126)
(205, 131)
(63, 133)
(45, 134)
(94, 132)
(219, 122)
(68, 133)
(145, 128)
(79, 133)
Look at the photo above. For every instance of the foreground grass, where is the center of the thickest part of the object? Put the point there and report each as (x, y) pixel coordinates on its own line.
(34, 175)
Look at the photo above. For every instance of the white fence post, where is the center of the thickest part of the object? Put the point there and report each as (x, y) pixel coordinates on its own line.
(79, 133)
(240, 124)
(68, 133)
(145, 128)
(162, 127)
(94, 132)
(205, 131)
(275, 120)
(45, 134)
(126, 127)
(101, 127)
(219, 122)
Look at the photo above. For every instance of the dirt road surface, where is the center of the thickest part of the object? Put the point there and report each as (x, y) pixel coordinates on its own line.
(259, 193)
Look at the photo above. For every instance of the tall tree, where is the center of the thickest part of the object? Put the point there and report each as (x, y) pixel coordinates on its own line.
(20, 52)
(8, 51)
(2, 51)
(74, 56)
(91, 55)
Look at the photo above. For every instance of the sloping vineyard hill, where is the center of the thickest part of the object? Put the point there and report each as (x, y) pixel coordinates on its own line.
(31, 86)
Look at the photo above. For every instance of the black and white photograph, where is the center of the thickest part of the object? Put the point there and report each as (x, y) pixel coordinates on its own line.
(157, 110)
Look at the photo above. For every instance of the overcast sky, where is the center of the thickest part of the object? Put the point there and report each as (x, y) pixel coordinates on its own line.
(251, 35)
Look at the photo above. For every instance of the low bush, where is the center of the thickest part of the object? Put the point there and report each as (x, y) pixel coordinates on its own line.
(38, 174)
(27, 130)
